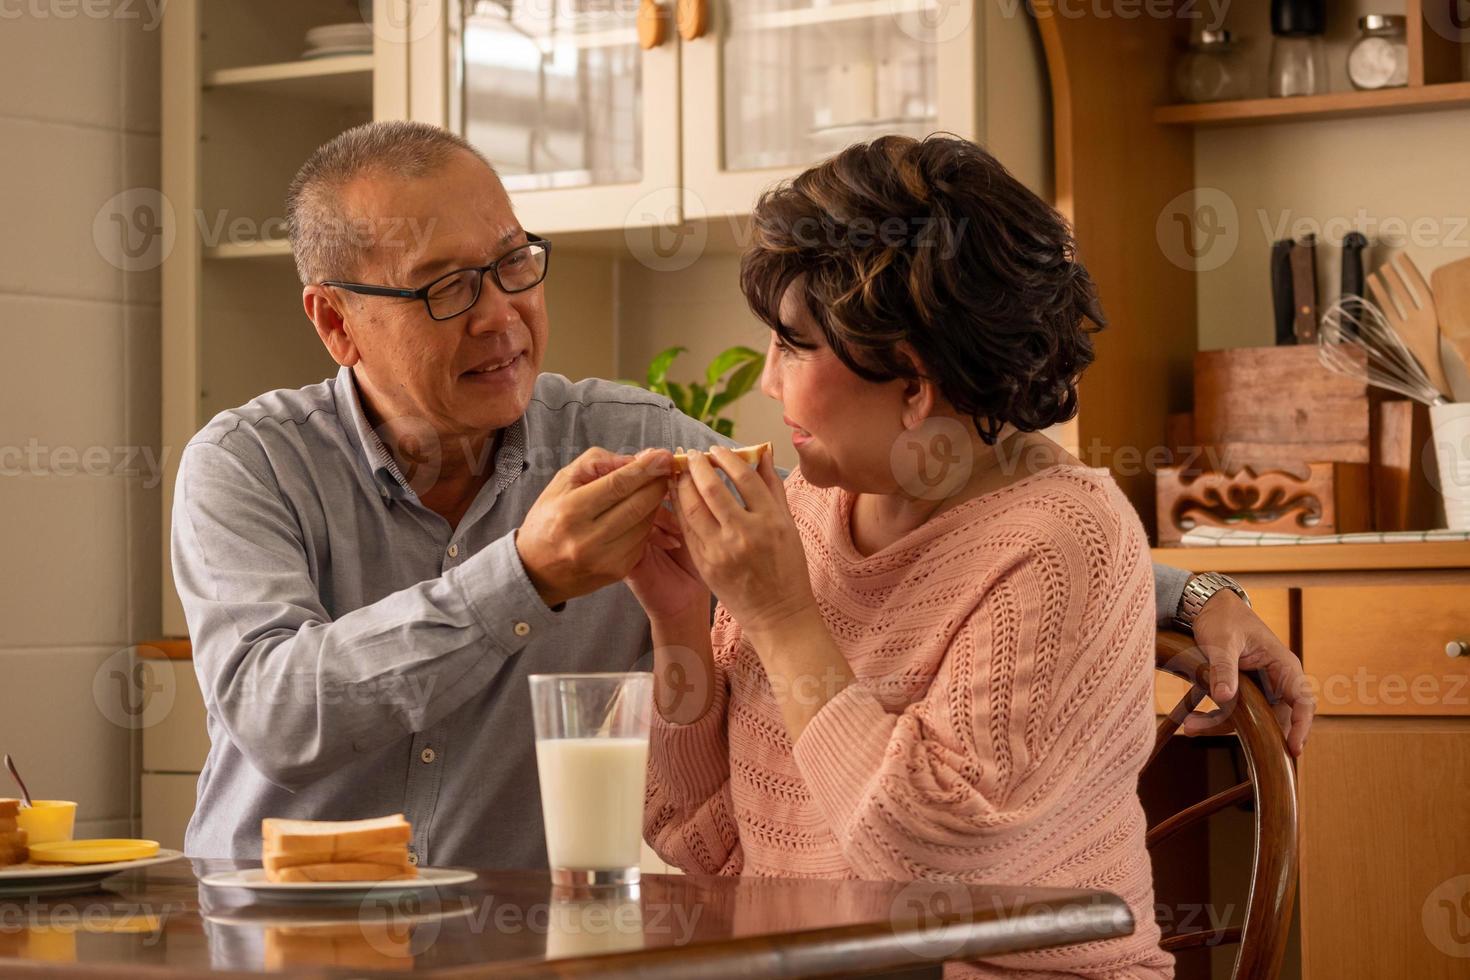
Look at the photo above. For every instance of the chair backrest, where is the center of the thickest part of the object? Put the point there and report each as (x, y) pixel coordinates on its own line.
(1262, 936)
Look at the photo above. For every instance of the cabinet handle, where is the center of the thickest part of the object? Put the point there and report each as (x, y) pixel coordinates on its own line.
(693, 18)
(1457, 648)
(653, 30)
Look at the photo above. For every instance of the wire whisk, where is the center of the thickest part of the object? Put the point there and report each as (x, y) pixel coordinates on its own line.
(1356, 340)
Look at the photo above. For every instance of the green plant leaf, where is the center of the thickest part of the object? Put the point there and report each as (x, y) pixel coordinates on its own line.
(658, 368)
(679, 395)
(727, 359)
(739, 384)
(725, 427)
(699, 397)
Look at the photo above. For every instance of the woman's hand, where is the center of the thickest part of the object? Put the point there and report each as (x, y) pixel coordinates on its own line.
(665, 580)
(750, 555)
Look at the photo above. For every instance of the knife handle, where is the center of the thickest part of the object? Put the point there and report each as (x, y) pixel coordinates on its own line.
(1304, 290)
(1282, 300)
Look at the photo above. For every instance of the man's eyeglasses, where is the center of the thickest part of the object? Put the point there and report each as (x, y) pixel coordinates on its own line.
(451, 294)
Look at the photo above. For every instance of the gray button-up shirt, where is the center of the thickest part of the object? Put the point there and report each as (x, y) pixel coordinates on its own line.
(357, 655)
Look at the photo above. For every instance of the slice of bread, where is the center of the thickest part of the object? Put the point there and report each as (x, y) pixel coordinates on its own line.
(751, 454)
(14, 853)
(9, 808)
(7, 824)
(333, 837)
(14, 838)
(393, 854)
(344, 872)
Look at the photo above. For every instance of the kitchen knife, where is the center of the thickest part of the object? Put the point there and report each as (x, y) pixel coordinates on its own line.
(1353, 244)
(1282, 301)
(1304, 290)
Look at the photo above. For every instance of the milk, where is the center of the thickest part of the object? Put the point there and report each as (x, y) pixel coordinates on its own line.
(592, 801)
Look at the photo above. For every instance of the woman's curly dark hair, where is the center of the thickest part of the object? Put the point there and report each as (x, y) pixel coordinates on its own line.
(932, 243)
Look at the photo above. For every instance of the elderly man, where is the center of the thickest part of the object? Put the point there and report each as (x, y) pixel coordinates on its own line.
(372, 566)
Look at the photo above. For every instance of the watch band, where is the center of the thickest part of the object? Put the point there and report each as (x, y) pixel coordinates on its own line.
(1198, 591)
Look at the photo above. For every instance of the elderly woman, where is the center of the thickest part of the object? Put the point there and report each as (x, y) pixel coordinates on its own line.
(934, 648)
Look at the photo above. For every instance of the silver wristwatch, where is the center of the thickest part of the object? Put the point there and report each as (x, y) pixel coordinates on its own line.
(1198, 591)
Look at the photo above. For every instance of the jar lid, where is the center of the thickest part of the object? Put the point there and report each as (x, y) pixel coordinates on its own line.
(1298, 18)
(1215, 38)
(1381, 22)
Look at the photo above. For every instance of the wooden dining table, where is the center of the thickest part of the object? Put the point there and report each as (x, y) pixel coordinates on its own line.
(162, 922)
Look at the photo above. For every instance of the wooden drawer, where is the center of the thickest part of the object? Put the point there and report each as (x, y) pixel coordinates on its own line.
(1274, 608)
(1380, 650)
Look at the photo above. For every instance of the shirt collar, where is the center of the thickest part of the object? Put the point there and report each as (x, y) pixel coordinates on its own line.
(509, 462)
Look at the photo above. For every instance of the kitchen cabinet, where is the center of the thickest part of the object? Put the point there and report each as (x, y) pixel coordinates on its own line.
(1385, 867)
(590, 131)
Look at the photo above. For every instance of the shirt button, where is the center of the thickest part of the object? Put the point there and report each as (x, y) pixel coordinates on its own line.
(454, 551)
(427, 755)
(413, 858)
(523, 629)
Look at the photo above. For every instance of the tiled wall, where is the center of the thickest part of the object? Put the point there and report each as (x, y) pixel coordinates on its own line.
(79, 410)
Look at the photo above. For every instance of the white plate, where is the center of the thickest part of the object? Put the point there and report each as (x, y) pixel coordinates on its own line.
(331, 35)
(255, 881)
(58, 879)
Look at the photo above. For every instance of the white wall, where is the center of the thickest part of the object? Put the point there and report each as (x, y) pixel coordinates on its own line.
(79, 348)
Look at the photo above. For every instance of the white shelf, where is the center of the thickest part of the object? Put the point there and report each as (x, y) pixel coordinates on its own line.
(273, 249)
(833, 13)
(347, 80)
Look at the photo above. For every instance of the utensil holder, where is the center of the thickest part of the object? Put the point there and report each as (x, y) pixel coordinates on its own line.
(1450, 432)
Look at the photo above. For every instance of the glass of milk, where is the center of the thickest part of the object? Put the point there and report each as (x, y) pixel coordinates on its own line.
(592, 757)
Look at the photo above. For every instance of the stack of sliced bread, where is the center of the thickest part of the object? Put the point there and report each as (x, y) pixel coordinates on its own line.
(13, 849)
(336, 850)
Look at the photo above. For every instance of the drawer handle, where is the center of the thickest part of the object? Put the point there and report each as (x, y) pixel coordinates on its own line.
(1457, 648)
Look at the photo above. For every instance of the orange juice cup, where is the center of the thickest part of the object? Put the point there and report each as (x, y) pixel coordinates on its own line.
(47, 820)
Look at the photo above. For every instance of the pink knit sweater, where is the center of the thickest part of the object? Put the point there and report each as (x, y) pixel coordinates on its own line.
(1002, 711)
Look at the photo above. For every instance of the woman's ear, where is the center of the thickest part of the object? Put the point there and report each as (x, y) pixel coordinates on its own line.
(325, 306)
(920, 393)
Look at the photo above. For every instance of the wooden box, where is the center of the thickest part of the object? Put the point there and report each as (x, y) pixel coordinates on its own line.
(1314, 498)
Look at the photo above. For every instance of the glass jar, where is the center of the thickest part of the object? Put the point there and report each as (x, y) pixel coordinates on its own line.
(1211, 70)
(1379, 58)
(1298, 61)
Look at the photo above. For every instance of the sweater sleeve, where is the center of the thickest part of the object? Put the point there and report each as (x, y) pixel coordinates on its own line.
(1039, 707)
(688, 813)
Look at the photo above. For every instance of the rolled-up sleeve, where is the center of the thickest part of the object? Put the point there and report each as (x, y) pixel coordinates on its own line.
(1169, 583)
(297, 690)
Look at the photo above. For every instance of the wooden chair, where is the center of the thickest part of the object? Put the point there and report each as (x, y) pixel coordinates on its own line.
(1272, 784)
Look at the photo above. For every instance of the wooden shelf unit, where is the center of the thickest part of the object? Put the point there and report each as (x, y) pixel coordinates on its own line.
(1331, 105)
(346, 80)
(1435, 83)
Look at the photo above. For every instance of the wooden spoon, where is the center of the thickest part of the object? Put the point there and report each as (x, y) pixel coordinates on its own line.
(1451, 284)
(25, 796)
(1411, 314)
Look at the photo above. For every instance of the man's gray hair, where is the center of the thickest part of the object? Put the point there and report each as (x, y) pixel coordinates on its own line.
(326, 241)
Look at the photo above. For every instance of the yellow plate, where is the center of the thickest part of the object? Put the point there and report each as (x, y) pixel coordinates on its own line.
(102, 851)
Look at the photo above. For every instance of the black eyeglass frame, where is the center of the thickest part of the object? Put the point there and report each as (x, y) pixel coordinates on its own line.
(422, 293)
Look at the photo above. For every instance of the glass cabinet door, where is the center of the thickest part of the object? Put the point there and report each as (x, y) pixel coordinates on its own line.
(560, 96)
(802, 79)
(793, 81)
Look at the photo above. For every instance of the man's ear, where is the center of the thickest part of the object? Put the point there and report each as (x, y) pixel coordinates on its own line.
(328, 312)
(920, 394)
